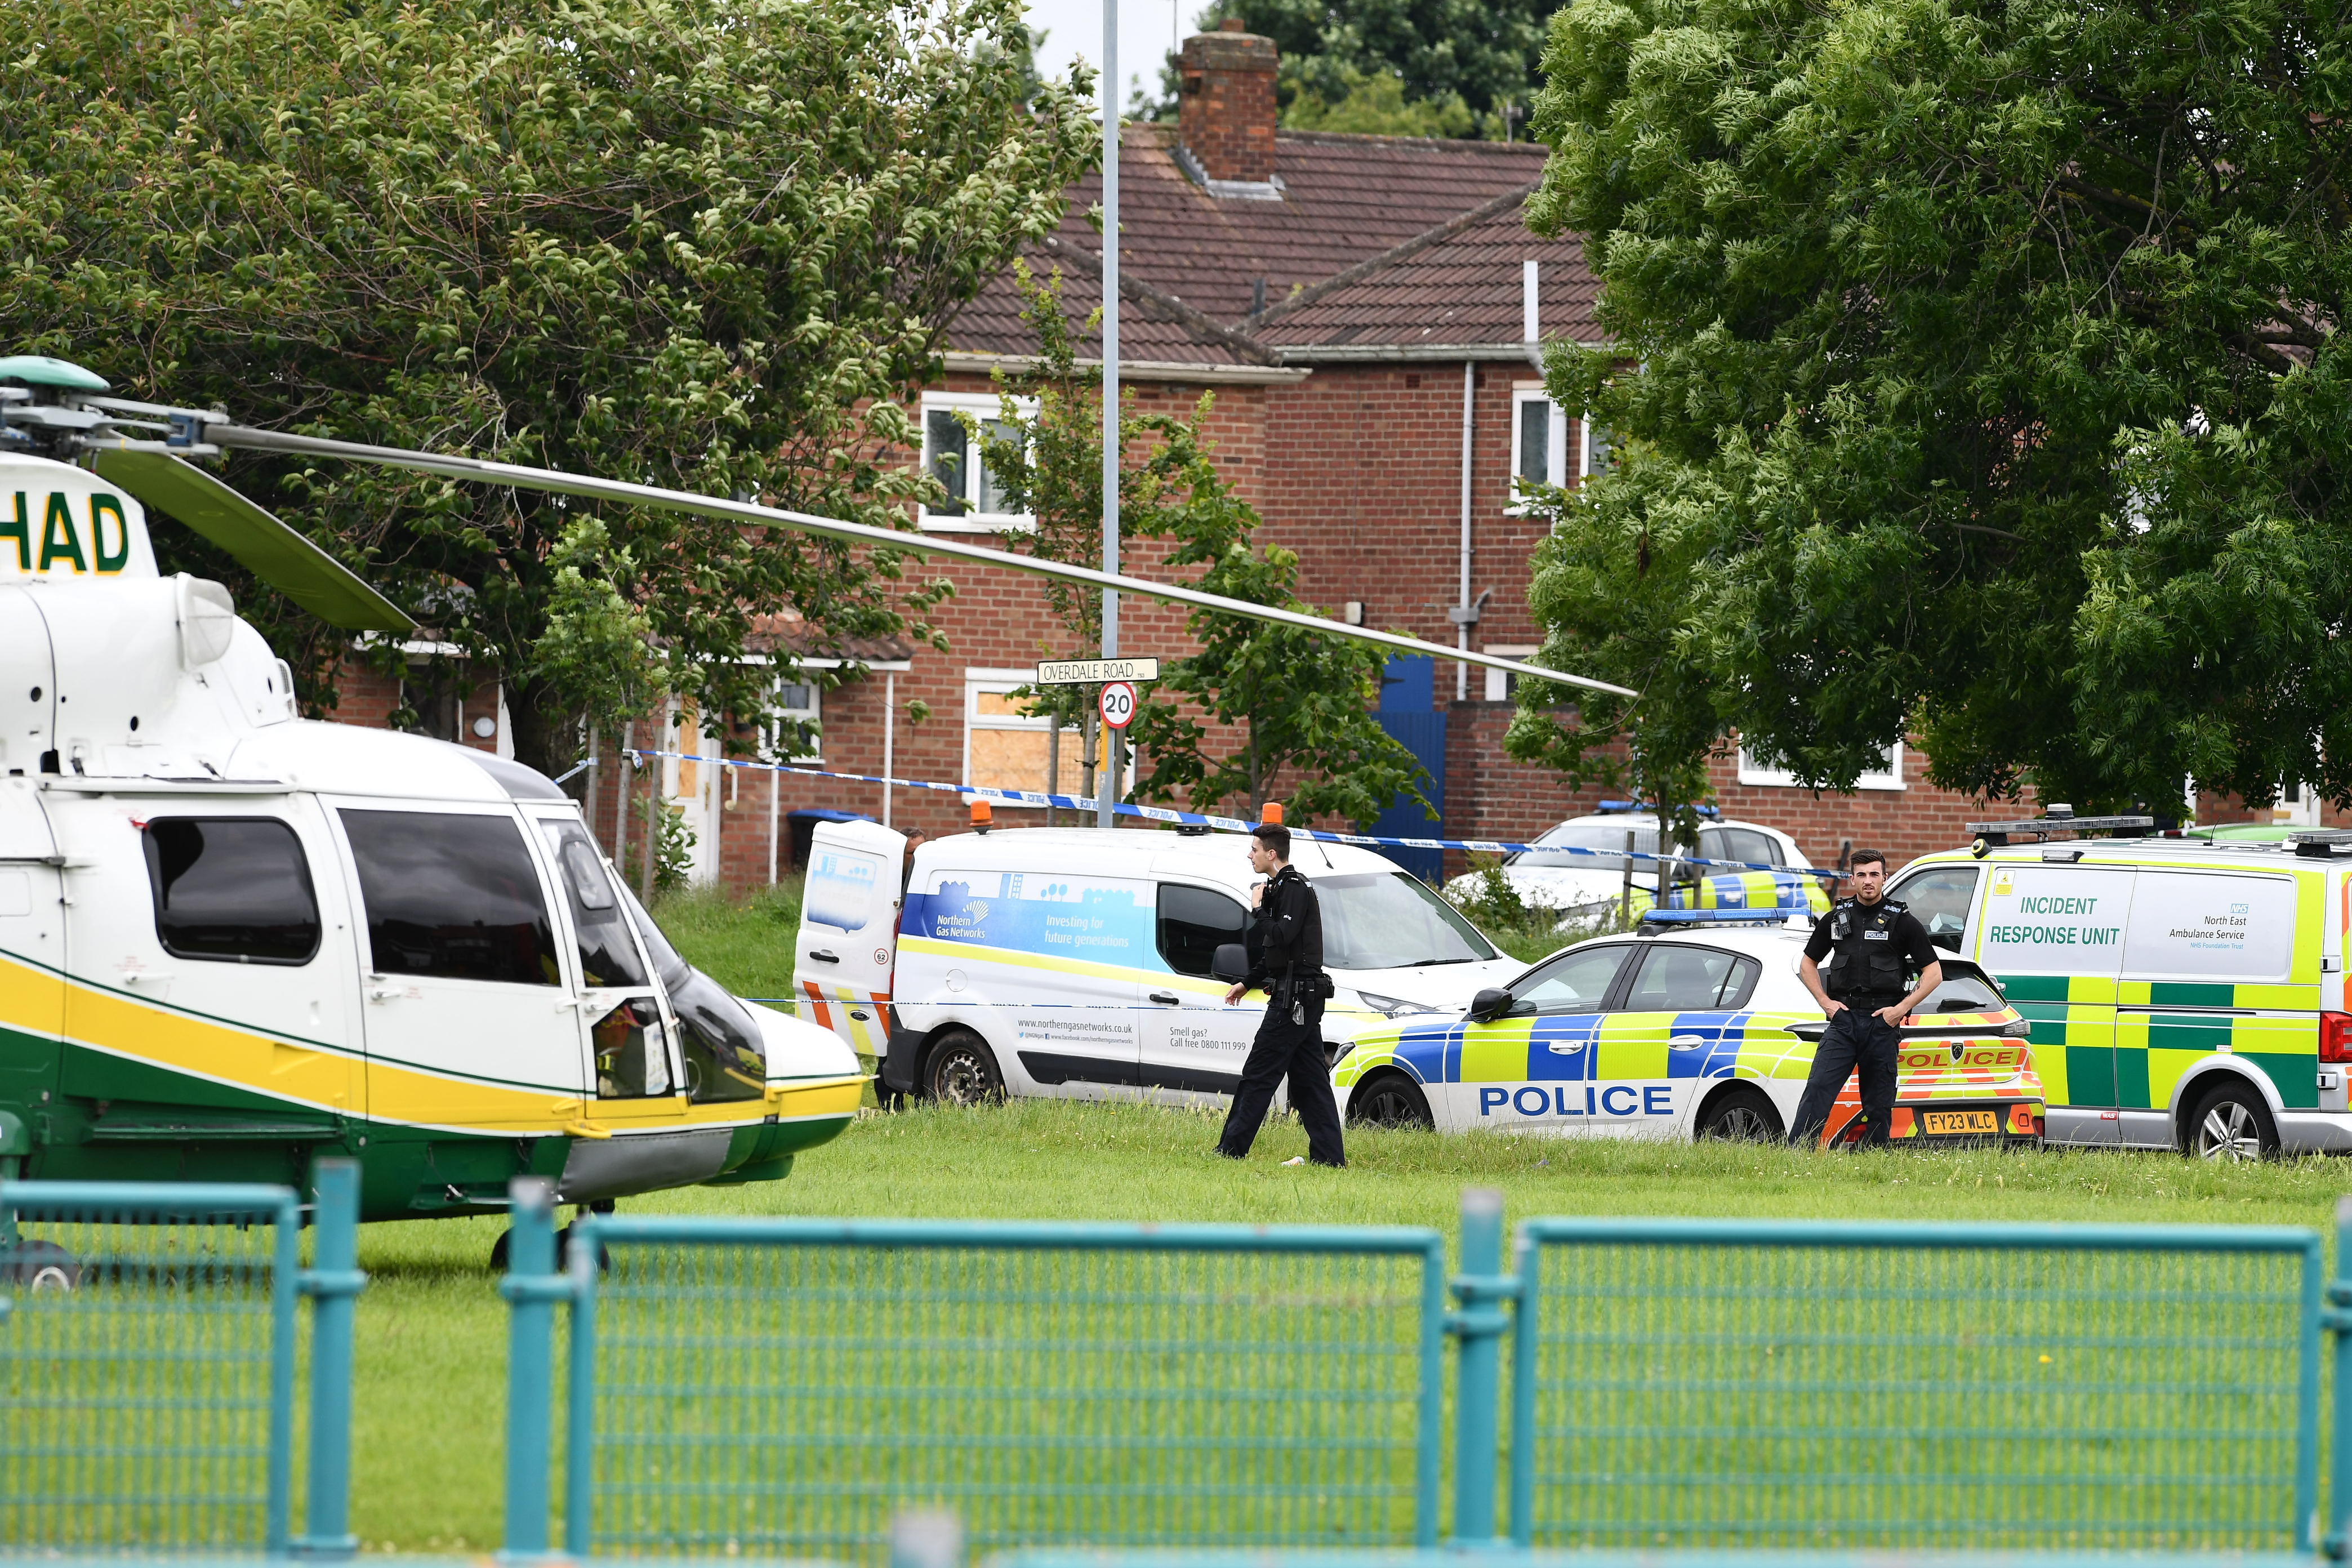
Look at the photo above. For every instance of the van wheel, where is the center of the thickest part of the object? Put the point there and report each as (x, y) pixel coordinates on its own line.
(962, 1070)
(1741, 1114)
(1391, 1099)
(2232, 1123)
(39, 1265)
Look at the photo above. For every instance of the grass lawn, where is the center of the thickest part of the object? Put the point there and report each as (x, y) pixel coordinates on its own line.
(432, 1331)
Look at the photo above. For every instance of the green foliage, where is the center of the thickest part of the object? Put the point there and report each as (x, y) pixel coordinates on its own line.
(673, 843)
(1375, 105)
(1300, 703)
(1987, 388)
(702, 246)
(1455, 62)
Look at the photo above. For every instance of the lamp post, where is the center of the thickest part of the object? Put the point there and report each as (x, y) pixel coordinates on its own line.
(1106, 786)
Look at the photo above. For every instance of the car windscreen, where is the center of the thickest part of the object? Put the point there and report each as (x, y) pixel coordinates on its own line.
(1588, 835)
(1387, 920)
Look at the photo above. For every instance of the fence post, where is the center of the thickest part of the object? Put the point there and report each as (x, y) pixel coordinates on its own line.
(1526, 1325)
(2337, 1317)
(579, 1404)
(531, 1288)
(1478, 1324)
(332, 1282)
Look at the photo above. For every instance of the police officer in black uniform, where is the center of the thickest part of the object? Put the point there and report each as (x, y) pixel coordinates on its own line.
(1872, 943)
(1286, 959)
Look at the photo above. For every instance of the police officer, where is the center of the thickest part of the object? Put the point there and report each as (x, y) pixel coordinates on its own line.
(1285, 958)
(1872, 943)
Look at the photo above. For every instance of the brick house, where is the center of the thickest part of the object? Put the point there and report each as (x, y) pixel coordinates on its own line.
(1365, 311)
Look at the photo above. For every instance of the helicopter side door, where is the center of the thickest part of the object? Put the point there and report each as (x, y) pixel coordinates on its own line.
(628, 1035)
(470, 1023)
(207, 1020)
(32, 955)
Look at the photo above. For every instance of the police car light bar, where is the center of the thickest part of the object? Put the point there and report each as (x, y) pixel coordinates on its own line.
(1724, 917)
(2319, 843)
(1997, 833)
(1610, 807)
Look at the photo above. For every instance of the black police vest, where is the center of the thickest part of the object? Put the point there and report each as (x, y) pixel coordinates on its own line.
(1866, 962)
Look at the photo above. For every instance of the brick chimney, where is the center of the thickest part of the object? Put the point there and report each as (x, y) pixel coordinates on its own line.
(1225, 117)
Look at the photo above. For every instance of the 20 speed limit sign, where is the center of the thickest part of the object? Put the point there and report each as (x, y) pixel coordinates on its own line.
(1117, 703)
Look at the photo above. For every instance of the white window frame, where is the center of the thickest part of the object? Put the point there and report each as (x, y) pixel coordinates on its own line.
(985, 406)
(1555, 439)
(996, 683)
(1889, 778)
(1500, 682)
(771, 751)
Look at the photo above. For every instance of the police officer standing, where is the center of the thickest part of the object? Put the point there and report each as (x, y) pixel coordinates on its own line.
(1286, 961)
(1872, 943)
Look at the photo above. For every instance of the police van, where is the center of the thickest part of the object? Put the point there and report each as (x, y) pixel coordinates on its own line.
(1700, 1030)
(1075, 962)
(2182, 994)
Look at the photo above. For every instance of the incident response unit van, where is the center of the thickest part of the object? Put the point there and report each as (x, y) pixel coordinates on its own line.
(2182, 994)
(1075, 962)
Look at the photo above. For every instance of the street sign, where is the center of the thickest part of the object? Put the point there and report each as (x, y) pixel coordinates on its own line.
(1118, 704)
(1093, 671)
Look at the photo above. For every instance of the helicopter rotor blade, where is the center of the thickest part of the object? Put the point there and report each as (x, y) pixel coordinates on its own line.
(261, 543)
(555, 483)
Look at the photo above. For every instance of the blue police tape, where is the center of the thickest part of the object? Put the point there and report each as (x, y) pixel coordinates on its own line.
(1226, 824)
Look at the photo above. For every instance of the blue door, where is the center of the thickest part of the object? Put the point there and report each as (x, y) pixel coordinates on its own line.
(1408, 712)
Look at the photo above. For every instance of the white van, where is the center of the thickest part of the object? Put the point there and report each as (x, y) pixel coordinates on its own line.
(1073, 962)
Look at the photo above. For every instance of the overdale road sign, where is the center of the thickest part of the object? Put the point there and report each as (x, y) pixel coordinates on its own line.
(1093, 671)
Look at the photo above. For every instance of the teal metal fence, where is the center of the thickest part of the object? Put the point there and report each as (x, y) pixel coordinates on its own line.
(787, 1386)
(1689, 1384)
(148, 1361)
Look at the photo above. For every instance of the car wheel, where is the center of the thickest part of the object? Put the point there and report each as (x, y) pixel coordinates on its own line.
(2232, 1123)
(1392, 1100)
(961, 1070)
(1741, 1114)
(39, 1265)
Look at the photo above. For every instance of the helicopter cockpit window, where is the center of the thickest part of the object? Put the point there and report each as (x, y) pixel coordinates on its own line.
(726, 1055)
(234, 890)
(608, 958)
(451, 895)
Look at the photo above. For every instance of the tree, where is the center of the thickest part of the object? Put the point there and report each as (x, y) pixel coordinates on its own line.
(1976, 374)
(1456, 58)
(1300, 704)
(698, 245)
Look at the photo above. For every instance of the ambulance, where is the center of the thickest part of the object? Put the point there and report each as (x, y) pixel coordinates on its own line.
(2182, 994)
(1076, 963)
(1696, 1026)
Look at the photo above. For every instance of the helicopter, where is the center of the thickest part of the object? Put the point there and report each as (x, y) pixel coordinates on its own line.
(233, 938)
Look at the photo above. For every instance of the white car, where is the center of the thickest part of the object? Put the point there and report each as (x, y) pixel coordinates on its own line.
(1584, 887)
(1076, 963)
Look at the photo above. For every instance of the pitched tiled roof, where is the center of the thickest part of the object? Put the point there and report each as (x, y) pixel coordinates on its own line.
(1345, 200)
(1456, 286)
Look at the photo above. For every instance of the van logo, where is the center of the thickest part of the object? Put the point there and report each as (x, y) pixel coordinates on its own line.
(977, 909)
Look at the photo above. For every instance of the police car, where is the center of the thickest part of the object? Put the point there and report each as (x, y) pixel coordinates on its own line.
(1553, 875)
(1073, 962)
(1699, 1031)
(2182, 994)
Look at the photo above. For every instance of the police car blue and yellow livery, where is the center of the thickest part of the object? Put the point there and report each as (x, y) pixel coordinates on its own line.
(1704, 1032)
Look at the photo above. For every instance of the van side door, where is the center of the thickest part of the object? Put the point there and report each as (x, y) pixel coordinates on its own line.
(2053, 935)
(846, 950)
(1193, 1042)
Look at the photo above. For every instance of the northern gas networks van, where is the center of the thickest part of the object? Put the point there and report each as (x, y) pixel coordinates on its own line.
(1075, 962)
(2182, 994)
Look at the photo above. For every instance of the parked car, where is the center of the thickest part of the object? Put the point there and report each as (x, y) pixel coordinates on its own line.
(1578, 869)
(1702, 1032)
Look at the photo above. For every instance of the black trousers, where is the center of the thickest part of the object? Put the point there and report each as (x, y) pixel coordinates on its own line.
(1857, 1039)
(1296, 1050)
